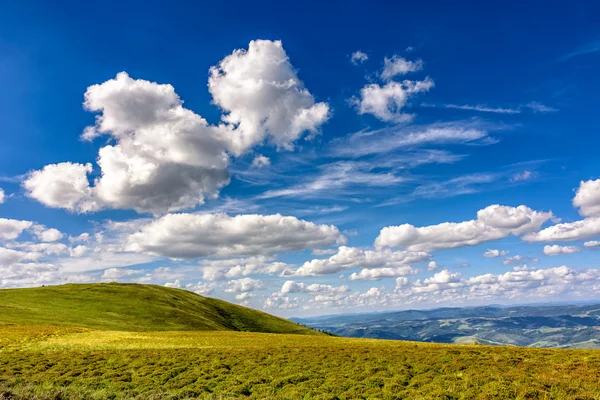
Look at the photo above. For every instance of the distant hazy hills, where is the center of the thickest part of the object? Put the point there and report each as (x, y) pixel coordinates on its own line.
(132, 307)
(537, 326)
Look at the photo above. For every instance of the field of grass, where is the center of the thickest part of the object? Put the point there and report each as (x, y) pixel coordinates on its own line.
(133, 307)
(123, 341)
(43, 362)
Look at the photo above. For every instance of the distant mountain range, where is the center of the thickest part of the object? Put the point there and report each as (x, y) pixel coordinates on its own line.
(568, 326)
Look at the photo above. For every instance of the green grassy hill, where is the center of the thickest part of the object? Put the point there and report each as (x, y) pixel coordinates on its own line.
(133, 307)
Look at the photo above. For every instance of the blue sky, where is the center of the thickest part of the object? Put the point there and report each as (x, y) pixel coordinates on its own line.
(303, 158)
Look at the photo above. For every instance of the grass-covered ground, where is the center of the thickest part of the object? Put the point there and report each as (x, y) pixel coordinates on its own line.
(78, 363)
(123, 341)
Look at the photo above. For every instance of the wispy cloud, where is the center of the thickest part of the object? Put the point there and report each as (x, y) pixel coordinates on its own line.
(539, 107)
(465, 184)
(13, 179)
(523, 176)
(392, 138)
(484, 108)
(588, 48)
(533, 106)
(230, 206)
(443, 187)
(336, 178)
(454, 187)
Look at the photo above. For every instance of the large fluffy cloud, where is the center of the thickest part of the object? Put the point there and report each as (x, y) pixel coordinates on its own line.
(165, 157)
(587, 198)
(261, 95)
(493, 222)
(353, 257)
(220, 235)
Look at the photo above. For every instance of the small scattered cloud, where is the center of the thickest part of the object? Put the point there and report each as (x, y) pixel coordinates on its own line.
(387, 102)
(556, 250)
(358, 57)
(399, 66)
(261, 161)
(492, 253)
(244, 285)
(118, 273)
(433, 266)
(523, 176)
(518, 259)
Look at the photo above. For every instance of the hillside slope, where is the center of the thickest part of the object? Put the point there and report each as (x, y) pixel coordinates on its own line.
(133, 307)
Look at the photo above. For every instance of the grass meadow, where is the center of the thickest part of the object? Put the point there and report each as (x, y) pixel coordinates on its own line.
(44, 362)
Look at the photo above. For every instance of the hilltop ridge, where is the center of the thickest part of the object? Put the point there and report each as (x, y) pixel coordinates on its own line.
(133, 307)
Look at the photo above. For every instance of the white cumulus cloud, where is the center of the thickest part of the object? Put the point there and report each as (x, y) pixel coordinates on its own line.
(260, 93)
(399, 66)
(167, 158)
(491, 253)
(353, 257)
(568, 231)
(11, 229)
(245, 285)
(47, 234)
(555, 250)
(376, 274)
(493, 222)
(261, 161)
(386, 102)
(587, 198)
(63, 185)
(220, 235)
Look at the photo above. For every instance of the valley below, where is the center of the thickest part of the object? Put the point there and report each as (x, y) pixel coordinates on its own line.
(550, 326)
